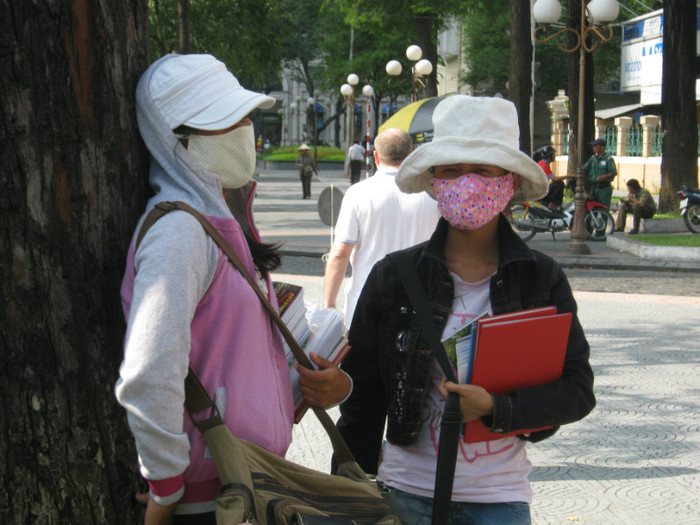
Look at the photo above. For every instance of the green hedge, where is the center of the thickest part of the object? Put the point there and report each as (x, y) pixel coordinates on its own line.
(290, 154)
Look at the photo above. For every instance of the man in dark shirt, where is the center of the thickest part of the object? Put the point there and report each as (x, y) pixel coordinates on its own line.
(639, 202)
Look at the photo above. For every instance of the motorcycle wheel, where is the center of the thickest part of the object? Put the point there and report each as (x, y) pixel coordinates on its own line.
(599, 224)
(691, 216)
(518, 215)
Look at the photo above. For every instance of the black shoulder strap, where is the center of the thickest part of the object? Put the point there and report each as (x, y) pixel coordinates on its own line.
(419, 300)
(196, 396)
(451, 416)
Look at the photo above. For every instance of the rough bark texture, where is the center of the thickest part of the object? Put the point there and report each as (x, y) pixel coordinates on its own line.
(573, 20)
(73, 185)
(520, 76)
(679, 165)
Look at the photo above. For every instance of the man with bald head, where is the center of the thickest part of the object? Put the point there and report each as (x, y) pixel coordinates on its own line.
(375, 219)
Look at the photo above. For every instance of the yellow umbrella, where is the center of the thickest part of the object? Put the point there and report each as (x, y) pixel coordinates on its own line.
(416, 119)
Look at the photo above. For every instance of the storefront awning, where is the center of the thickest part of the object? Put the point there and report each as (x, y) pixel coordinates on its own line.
(616, 111)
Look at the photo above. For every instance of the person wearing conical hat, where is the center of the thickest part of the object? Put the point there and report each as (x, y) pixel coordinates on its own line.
(307, 169)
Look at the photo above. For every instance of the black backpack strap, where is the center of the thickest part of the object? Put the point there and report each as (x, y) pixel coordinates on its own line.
(451, 416)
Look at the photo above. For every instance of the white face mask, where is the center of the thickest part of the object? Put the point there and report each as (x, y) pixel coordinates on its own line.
(230, 155)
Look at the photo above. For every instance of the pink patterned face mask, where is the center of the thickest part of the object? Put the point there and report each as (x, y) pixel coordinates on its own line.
(470, 201)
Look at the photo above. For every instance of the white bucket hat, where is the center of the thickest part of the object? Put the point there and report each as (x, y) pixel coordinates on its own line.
(198, 91)
(473, 130)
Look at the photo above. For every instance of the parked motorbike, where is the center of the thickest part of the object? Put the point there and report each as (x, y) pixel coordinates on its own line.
(690, 208)
(529, 218)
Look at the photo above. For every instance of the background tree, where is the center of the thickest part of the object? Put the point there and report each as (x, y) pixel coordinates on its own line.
(679, 165)
(486, 46)
(425, 18)
(520, 77)
(244, 34)
(74, 183)
(372, 44)
(299, 45)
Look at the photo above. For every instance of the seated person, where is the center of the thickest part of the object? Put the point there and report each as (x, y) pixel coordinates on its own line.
(639, 202)
(555, 195)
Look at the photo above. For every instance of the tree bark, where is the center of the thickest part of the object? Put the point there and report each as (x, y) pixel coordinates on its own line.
(427, 37)
(74, 183)
(573, 20)
(184, 20)
(520, 75)
(679, 164)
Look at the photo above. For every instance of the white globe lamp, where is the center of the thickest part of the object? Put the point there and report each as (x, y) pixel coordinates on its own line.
(603, 11)
(424, 67)
(414, 53)
(394, 68)
(546, 11)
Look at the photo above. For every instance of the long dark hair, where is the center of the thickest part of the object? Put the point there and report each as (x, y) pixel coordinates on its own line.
(266, 256)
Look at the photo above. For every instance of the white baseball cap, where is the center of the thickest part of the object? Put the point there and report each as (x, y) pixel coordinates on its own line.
(198, 91)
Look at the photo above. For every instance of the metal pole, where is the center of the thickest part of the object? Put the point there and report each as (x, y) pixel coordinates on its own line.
(352, 120)
(367, 153)
(578, 233)
(315, 136)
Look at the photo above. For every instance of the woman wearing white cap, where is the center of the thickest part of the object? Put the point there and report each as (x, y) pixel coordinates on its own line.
(185, 303)
(473, 263)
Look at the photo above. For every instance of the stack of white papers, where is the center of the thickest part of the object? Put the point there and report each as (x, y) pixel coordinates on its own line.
(318, 331)
(327, 339)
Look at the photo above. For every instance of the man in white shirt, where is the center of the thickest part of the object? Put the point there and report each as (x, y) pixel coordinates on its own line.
(375, 219)
(355, 158)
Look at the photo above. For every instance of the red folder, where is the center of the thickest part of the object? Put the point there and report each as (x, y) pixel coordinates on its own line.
(517, 353)
(520, 314)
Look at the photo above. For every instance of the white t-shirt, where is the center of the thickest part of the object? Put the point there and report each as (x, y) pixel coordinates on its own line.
(378, 219)
(490, 472)
(356, 152)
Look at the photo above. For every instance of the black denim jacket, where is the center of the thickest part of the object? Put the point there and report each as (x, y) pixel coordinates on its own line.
(390, 359)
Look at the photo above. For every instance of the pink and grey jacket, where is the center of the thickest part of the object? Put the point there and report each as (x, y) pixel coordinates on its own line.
(186, 305)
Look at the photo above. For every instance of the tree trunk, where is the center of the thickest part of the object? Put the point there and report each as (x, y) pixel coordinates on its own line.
(573, 20)
(679, 164)
(74, 183)
(427, 36)
(336, 128)
(520, 76)
(184, 19)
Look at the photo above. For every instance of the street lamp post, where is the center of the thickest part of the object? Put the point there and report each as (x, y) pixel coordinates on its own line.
(594, 19)
(420, 70)
(312, 103)
(348, 92)
(368, 91)
(294, 125)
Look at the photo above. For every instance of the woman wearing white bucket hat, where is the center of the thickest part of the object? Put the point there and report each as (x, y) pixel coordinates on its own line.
(474, 263)
(185, 303)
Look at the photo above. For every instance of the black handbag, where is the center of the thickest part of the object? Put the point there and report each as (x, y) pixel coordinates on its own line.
(451, 416)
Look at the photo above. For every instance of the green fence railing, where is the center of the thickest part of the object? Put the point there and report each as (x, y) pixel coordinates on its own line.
(633, 141)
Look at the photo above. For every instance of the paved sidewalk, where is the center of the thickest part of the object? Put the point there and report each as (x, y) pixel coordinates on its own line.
(282, 216)
(635, 460)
